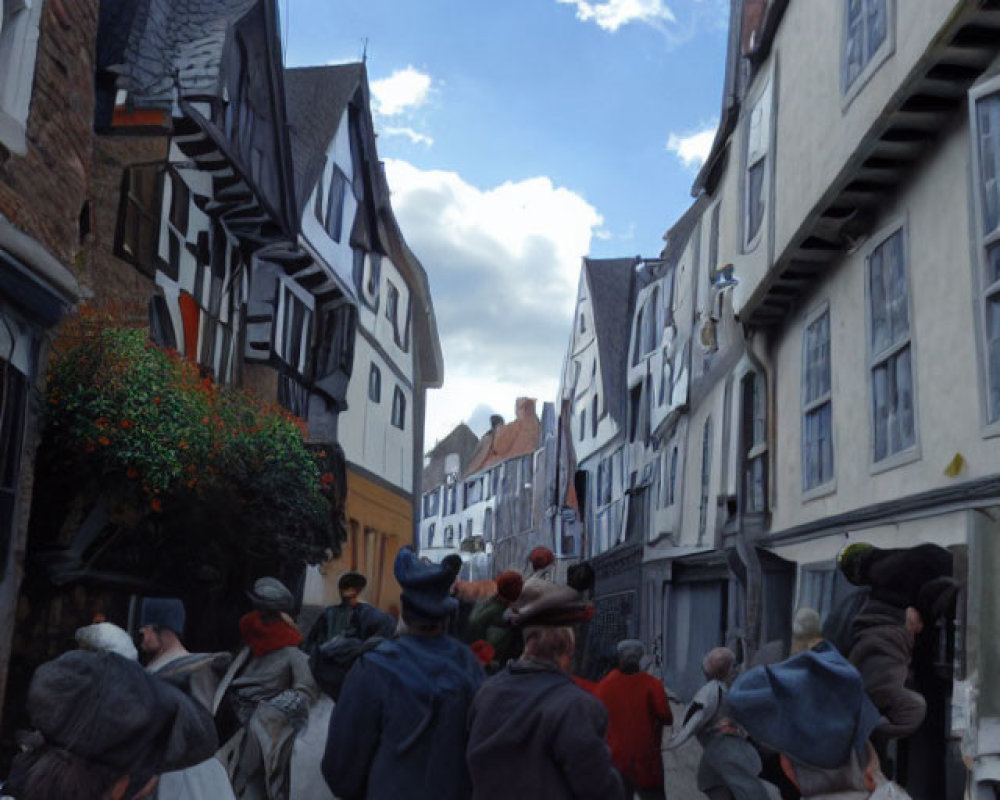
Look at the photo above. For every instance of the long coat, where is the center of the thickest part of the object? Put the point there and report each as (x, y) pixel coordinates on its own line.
(637, 711)
(398, 729)
(533, 733)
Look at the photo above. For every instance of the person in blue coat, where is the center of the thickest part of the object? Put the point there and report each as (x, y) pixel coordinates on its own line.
(399, 728)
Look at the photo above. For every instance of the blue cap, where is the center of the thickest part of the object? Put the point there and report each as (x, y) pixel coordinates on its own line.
(163, 612)
(811, 707)
(426, 587)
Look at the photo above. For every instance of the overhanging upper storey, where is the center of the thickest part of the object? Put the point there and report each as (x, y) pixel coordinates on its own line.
(931, 88)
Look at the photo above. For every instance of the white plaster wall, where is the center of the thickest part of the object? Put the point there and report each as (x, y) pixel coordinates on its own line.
(582, 390)
(380, 326)
(816, 133)
(945, 361)
(690, 490)
(338, 255)
(365, 429)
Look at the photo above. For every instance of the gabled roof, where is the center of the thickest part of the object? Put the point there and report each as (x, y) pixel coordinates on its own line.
(517, 438)
(316, 98)
(180, 41)
(461, 441)
(610, 282)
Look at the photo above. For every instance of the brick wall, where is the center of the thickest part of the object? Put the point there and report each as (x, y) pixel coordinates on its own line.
(43, 192)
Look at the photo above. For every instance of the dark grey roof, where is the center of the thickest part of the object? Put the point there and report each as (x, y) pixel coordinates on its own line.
(315, 99)
(676, 238)
(177, 40)
(611, 283)
(462, 441)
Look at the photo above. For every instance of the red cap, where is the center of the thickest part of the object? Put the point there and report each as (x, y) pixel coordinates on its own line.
(540, 558)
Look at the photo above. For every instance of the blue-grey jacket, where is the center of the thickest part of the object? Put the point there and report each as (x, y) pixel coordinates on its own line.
(399, 728)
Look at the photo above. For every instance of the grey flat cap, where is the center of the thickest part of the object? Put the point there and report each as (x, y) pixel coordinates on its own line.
(270, 594)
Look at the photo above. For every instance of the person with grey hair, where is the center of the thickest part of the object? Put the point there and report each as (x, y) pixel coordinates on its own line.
(637, 711)
(532, 731)
(729, 764)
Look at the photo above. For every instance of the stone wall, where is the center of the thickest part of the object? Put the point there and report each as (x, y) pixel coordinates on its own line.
(43, 192)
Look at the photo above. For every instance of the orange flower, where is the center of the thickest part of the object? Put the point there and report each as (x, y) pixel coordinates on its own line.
(102, 422)
(126, 423)
(326, 479)
(183, 445)
(192, 483)
(157, 400)
(132, 472)
(90, 447)
(104, 440)
(155, 504)
(321, 454)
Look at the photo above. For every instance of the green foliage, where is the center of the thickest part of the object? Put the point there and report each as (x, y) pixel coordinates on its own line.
(142, 422)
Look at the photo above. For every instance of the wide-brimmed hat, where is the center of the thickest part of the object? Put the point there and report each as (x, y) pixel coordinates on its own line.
(162, 612)
(812, 707)
(542, 602)
(270, 594)
(351, 580)
(107, 709)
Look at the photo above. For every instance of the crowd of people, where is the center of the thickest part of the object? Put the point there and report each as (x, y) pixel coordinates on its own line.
(471, 694)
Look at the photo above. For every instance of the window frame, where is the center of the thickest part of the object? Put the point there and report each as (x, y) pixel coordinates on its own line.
(983, 239)
(374, 380)
(18, 57)
(767, 87)
(913, 452)
(705, 488)
(808, 407)
(398, 414)
(886, 49)
(754, 384)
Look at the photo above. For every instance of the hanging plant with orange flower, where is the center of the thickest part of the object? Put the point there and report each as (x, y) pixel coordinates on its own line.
(140, 421)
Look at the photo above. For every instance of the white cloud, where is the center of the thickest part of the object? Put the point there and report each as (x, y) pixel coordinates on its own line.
(414, 136)
(612, 14)
(404, 90)
(679, 22)
(503, 264)
(693, 148)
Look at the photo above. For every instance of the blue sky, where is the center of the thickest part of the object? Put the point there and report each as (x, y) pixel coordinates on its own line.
(519, 136)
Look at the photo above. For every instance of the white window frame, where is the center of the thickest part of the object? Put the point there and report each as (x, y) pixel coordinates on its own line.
(829, 486)
(886, 49)
(981, 289)
(289, 289)
(758, 146)
(18, 52)
(913, 452)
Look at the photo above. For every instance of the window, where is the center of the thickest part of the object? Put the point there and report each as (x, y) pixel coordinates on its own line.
(14, 385)
(392, 313)
(488, 524)
(593, 415)
(893, 424)
(293, 323)
(139, 217)
(713, 242)
(583, 323)
(583, 424)
(431, 502)
(334, 222)
(817, 404)
(473, 491)
(648, 328)
(398, 408)
(374, 384)
(986, 126)
(867, 41)
(335, 351)
(755, 444)
(430, 534)
(449, 536)
(672, 491)
(756, 183)
(637, 335)
(706, 474)
(18, 46)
